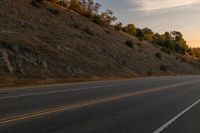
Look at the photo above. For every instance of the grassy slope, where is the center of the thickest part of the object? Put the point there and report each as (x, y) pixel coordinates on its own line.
(39, 46)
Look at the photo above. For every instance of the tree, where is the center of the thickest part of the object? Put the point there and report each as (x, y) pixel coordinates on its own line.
(105, 18)
(118, 26)
(75, 5)
(180, 44)
(130, 28)
(148, 34)
(139, 33)
(172, 40)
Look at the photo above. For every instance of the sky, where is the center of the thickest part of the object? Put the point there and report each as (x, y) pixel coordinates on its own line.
(160, 15)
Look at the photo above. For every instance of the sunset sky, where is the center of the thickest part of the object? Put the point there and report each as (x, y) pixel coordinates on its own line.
(160, 15)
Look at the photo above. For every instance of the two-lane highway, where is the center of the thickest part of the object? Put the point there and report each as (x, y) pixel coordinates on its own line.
(143, 105)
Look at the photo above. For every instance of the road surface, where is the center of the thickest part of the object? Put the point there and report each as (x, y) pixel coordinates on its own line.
(143, 105)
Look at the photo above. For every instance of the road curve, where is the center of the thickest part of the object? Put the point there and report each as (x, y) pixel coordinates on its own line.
(144, 105)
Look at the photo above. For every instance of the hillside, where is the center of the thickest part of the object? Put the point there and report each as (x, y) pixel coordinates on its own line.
(51, 45)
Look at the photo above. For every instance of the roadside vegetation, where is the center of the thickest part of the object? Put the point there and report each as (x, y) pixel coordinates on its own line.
(169, 41)
(65, 41)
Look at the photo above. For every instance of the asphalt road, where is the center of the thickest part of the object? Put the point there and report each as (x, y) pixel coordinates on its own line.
(143, 105)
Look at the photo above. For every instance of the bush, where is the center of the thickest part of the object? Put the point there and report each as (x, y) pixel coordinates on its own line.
(163, 68)
(104, 19)
(129, 43)
(108, 32)
(166, 50)
(37, 3)
(124, 63)
(130, 29)
(158, 55)
(54, 11)
(150, 73)
(139, 44)
(118, 26)
(96, 19)
(88, 31)
(75, 25)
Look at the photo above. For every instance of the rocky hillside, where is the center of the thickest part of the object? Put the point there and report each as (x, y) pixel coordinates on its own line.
(51, 45)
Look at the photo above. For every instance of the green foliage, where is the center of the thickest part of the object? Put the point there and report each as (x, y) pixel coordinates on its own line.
(139, 34)
(173, 40)
(130, 28)
(148, 34)
(105, 18)
(129, 43)
(97, 19)
(75, 5)
(169, 41)
(88, 8)
(118, 26)
(158, 55)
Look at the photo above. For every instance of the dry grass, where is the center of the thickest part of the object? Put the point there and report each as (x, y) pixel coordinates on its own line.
(61, 46)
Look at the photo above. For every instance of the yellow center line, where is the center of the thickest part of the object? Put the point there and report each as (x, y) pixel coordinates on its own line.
(84, 104)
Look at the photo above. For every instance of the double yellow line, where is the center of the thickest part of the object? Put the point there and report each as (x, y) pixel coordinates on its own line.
(26, 116)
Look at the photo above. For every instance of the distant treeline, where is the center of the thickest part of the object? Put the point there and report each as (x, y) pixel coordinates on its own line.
(169, 41)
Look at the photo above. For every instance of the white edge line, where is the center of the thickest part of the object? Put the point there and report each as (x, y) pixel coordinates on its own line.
(162, 128)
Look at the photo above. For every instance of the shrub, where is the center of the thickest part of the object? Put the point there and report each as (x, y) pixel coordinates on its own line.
(96, 19)
(37, 3)
(130, 29)
(148, 34)
(88, 31)
(163, 68)
(172, 40)
(108, 32)
(123, 62)
(75, 25)
(166, 50)
(118, 26)
(139, 44)
(158, 55)
(54, 11)
(150, 73)
(104, 19)
(129, 43)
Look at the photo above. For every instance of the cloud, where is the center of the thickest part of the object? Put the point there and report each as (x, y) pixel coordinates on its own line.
(152, 5)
